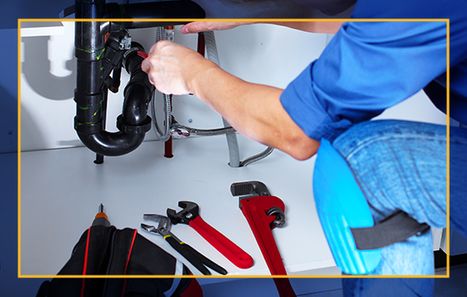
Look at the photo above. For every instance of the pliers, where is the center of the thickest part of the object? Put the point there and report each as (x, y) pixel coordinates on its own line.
(198, 260)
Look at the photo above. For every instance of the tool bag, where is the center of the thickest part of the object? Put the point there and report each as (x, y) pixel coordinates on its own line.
(353, 237)
(105, 250)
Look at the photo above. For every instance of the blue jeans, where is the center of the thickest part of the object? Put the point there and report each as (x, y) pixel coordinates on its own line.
(402, 165)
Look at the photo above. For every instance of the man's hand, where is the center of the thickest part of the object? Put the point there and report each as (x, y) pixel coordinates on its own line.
(195, 27)
(172, 68)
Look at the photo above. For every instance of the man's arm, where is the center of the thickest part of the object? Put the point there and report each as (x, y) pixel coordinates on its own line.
(366, 68)
(252, 109)
(313, 27)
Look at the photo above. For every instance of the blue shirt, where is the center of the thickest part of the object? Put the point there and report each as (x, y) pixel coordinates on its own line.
(368, 67)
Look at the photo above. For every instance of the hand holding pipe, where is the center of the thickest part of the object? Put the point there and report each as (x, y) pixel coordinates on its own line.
(92, 52)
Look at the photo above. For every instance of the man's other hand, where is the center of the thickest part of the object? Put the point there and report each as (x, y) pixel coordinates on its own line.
(195, 27)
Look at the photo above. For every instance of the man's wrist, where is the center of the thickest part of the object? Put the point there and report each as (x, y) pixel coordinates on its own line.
(203, 72)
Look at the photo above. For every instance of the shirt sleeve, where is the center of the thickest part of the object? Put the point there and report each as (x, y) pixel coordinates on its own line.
(366, 68)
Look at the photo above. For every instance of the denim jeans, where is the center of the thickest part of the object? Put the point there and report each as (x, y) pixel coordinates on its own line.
(402, 165)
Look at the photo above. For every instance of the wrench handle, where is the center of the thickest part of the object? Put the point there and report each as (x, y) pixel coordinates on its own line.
(221, 243)
(254, 209)
(284, 287)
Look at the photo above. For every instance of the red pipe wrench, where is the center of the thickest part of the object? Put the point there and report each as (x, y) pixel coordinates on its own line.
(263, 213)
(190, 215)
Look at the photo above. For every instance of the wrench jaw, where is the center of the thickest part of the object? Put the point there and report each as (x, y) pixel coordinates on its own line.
(172, 214)
(149, 228)
(267, 209)
(189, 207)
(164, 224)
(279, 217)
(251, 189)
(190, 210)
(198, 260)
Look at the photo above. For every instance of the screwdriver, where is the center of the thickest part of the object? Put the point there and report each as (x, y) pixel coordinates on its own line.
(101, 218)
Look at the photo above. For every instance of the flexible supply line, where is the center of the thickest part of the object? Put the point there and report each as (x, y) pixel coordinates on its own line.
(257, 157)
(181, 131)
(162, 134)
(213, 56)
(168, 145)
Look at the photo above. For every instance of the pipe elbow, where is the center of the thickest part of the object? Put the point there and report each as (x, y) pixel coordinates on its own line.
(135, 106)
(111, 144)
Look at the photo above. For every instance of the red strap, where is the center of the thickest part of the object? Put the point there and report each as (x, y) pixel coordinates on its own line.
(130, 250)
(85, 262)
(135, 232)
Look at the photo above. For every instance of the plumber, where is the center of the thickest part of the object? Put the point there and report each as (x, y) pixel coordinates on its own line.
(366, 68)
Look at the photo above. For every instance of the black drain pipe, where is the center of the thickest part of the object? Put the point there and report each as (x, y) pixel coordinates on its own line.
(91, 92)
(133, 123)
(98, 55)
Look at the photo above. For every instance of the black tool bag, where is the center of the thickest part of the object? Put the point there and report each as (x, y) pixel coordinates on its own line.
(108, 251)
